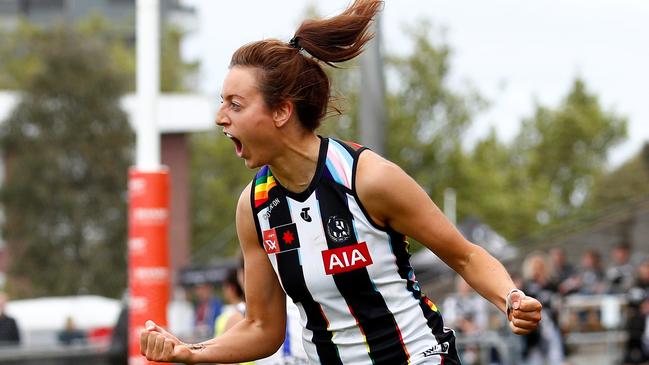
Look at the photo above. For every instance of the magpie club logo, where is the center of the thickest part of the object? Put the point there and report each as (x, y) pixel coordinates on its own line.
(338, 229)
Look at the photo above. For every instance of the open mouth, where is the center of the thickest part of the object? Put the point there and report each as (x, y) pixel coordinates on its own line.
(237, 144)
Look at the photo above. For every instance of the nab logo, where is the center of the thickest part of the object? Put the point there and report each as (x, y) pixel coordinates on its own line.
(270, 241)
(345, 259)
(305, 214)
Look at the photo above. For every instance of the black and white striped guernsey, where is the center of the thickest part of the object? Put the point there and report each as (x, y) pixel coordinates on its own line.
(352, 281)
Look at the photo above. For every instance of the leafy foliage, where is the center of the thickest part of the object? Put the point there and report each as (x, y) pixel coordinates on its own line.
(19, 60)
(546, 174)
(68, 147)
(427, 118)
(217, 176)
(627, 182)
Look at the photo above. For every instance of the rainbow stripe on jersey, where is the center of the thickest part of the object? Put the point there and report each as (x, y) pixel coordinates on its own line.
(263, 183)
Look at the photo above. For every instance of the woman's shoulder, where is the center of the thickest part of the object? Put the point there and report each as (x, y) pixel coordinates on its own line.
(376, 172)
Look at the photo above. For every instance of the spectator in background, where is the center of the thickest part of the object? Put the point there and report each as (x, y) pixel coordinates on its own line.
(291, 352)
(71, 335)
(562, 268)
(637, 346)
(589, 280)
(545, 343)
(466, 312)
(9, 334)
(620, 275)
(208, 307)
(591, 274)
(235, 307)
(180, 315)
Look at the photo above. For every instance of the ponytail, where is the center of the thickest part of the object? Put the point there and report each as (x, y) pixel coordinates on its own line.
(340, 38)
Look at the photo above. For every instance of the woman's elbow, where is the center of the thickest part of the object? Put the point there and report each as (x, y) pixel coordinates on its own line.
(274, 334)
(276, 342)
(465, 259)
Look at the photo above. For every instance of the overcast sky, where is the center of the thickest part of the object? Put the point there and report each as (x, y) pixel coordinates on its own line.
(515, 53)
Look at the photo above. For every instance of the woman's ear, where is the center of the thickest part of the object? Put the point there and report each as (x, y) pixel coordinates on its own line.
(283, 113)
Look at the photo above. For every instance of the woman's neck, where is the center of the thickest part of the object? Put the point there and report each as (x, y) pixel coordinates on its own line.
(295, 167)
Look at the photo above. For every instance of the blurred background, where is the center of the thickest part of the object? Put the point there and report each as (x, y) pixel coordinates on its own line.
(526, 122)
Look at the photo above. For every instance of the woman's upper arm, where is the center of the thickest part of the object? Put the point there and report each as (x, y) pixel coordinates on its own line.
(265, 298)
(393, 199)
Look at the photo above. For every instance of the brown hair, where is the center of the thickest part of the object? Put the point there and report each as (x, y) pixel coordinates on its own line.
(288, 74)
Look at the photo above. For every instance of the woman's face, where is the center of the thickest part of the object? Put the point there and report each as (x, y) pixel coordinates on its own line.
(643, 272)
(538, 269)
(245, 118)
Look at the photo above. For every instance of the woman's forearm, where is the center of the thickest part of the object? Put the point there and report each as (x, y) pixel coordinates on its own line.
(486, 275)
(246, 341)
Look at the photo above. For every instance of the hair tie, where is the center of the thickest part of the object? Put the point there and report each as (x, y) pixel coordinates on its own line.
(293, 43)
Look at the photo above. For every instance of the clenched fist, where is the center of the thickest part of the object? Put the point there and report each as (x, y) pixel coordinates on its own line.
(159, 345)
(524, 313)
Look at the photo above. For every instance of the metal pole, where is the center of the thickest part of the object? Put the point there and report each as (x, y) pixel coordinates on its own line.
(147, 84)
(450, 199)
(372, 94)
(148, 188)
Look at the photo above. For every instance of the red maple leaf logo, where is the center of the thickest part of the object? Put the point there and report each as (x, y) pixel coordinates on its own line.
(288, 237)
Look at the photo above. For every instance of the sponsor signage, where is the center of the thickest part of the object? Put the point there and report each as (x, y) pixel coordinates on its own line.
(347, 258)
(281, 239)
(439, 349)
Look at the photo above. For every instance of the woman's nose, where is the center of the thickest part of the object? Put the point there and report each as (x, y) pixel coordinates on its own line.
(221, 118)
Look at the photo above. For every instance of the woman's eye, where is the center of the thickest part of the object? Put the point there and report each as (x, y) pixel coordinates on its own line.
(235, 106)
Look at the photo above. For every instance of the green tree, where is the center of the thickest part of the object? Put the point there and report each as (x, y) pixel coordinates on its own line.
(217, 178)
(426, 117)
(566, 148)
(19, 61)
(627, 182)
(546, 174)
(67, 146)
(491, 184)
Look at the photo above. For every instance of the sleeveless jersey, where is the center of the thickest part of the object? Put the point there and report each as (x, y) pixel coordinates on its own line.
(352, 281)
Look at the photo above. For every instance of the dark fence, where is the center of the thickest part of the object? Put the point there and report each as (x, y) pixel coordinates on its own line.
(86, 354)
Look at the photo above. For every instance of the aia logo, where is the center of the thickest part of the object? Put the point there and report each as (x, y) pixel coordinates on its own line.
(305, 215)
(345, 259)
(338, 229)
